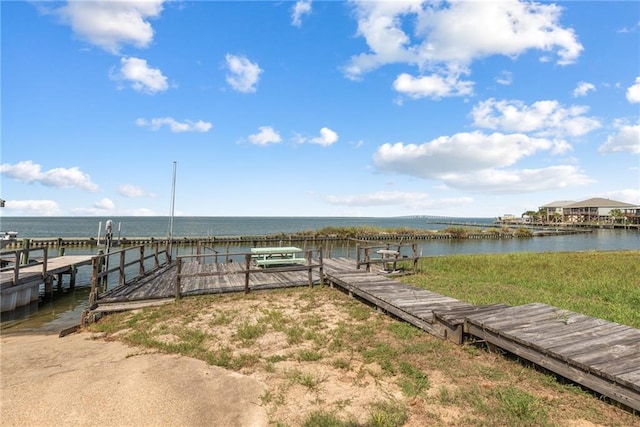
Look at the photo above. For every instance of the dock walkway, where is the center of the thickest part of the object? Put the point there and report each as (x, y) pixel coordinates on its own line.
(600, 355)
(19, 284)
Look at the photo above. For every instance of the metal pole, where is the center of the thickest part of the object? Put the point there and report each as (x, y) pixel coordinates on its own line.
(173, 203)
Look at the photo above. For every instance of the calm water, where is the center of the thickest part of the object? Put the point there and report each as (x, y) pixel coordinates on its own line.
(66, 307)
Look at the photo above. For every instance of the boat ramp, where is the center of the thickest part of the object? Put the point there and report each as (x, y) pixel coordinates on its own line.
(597, 354)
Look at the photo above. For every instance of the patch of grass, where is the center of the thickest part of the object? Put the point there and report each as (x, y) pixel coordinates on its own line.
(519, 408)
(249, 332)
(388, 414)
(307, 379)
(341, 363)
(224, 317)
(322, 418)
(295, 335)
(305, 355)
(404, 331)
(413, 382)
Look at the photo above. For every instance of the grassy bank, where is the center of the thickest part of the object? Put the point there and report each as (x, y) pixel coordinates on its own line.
(329, 360)
(599, 284)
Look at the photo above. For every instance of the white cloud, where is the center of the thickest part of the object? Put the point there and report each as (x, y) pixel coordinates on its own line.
(451, 35)
(243, 74)
(104, 204)
(174, 125)
(478, 162)
(141, 77)
(583, 89)
(627, 195)
(266, 135)
(112, 24)
(300, 8)
(33, 207)
(627, 139)
(518, 181)
(633, 92)
(327, 137)
(433, 86)
(411, 200)
(462, 152)
(131, 191)
(30, 172)
(542, 118)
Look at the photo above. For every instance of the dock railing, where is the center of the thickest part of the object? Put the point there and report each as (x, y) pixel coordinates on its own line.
(249, 267)
(139, 256)
(21, 259)
(389, 255)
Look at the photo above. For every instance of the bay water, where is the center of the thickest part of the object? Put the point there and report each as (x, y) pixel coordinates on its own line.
(65, 308)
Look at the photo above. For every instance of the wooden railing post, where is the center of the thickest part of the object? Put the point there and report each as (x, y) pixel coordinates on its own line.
(178, 272)
(24, 258)
(358, 256)
(247, 258)
(156, 259)
(367, 259)
(95, 269)
(16, 267)
(415, 258)
(321, 269)
(121, 269)
(310, 268)
(45, 254)
(141, 265)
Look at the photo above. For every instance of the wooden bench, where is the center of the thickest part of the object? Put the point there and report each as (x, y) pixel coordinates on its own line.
(391, 257)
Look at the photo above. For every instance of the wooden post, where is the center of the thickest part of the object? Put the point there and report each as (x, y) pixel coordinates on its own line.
(367, 259)
(415, 257)
(156, 259)
(310, 270)
(95, 269)
(48, 287)
(72, 276)
(45, 253)
(141, 265)
(178, 272)
(26, 244)
(321, 270)
(121, 276)
(247, 258)
(358, 256)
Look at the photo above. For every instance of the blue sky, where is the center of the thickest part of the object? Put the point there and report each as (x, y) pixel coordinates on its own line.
(331, 108)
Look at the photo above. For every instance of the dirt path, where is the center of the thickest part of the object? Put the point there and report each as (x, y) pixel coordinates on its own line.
(51, 381)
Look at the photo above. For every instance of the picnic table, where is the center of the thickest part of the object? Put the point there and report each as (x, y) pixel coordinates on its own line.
(281, 255)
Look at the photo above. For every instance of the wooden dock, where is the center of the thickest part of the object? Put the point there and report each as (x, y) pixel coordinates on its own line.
(597, 354)
(19, 284)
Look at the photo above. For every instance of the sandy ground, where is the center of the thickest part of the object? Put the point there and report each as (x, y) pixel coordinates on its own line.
(76, 380)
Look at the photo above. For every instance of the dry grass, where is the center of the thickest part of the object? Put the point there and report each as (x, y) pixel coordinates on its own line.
(328, 359)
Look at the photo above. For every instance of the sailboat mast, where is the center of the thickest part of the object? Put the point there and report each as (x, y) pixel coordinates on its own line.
(173, 203)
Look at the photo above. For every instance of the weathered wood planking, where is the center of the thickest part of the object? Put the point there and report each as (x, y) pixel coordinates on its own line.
(33, 272)
(601, 355)
(207, 279)
(414, 305)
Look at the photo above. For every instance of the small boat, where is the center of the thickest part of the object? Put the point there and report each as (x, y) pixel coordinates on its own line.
(8, 237)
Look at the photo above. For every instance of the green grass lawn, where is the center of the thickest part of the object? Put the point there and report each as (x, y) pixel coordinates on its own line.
(600, 284)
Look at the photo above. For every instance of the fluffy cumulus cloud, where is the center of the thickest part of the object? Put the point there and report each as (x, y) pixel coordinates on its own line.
(30, 172)
(633, 92)
(411, 200)
(174, 125)
(446, 37)
(33, 207)
(477, 162)
(266, 135)
(300, 8)
(518, 181)
(626, 139)
(326, 138)
(142, 78)
(243, 75)
(542, 118)
(583, 89)
(112, 24)
(433, 86)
